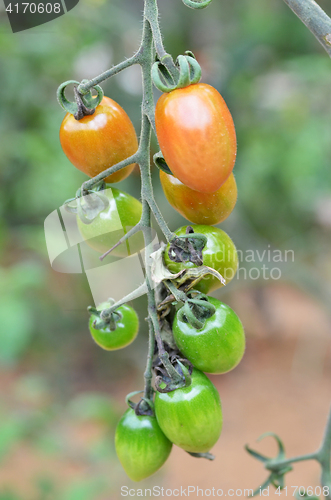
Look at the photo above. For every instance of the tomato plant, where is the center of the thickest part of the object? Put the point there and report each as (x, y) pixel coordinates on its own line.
(219, 253)
(196, 135)
(218, 346)
(198, 141)
(141, 446)
(197, 207)
(121, 214)
(120, 332)
(191, 417)
(99, 141)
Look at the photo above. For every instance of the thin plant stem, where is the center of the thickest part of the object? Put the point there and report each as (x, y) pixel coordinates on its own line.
(316, 20)
(178, 294)
(111, 170)
(137, 292)
(322, 456)
(84, 88)
(288, 461)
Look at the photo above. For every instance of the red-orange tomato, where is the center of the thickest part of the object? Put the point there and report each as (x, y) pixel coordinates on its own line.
(99, 141)
(200, 208)
(197, 137)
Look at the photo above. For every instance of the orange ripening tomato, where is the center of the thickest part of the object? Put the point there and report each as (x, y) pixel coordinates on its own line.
(196, 135)
(197, 207)
(99, 141)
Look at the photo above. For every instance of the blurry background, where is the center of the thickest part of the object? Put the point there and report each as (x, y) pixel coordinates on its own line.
(61, 395)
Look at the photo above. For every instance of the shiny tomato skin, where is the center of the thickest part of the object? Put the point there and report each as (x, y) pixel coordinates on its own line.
(122, 213)
(196, 135)
(219, 346)
(99, 141)
(219, 253)
(191, 417)
(140, 444)
(197, 207)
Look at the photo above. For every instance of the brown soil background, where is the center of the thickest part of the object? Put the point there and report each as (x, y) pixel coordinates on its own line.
(282, 385)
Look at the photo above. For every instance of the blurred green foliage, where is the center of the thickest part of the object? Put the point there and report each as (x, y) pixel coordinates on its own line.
(276, 80)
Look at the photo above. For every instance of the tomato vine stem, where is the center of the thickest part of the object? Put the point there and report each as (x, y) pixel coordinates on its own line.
(316, 20)
(151, 42)
(281, 465)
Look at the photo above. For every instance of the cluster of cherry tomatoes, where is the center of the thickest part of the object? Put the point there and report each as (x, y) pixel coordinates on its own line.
(197, 138)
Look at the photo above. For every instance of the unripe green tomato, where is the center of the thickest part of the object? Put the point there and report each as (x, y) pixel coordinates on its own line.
(122, 213)
(191, 417)
(127, 326)
(219, 253)
(219, 346)
(140, 444)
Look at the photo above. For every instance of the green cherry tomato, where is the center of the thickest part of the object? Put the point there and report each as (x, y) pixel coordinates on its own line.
(140, 444)
(191, 417)
(219, 253)
(127, 326)
(219, 346)
(122, 213)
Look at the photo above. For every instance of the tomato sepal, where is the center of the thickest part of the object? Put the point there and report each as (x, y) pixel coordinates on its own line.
(186, 278)
(277, 472)
(103, 319)
(173, 374)
(128, 397)
(196, 312)
(188, 247)
(188, 73)
(207, 455)
(88, 100)
(161, 164)
(219, 253)
(196, 5)
(145, 406)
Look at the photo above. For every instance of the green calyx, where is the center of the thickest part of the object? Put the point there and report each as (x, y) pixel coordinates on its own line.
(174, 375)
(196, 4)
(196, 311)
(161, 163)
(144, 407)
(105, 318)
(84, 104)
(188, 72)
(188, 247)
